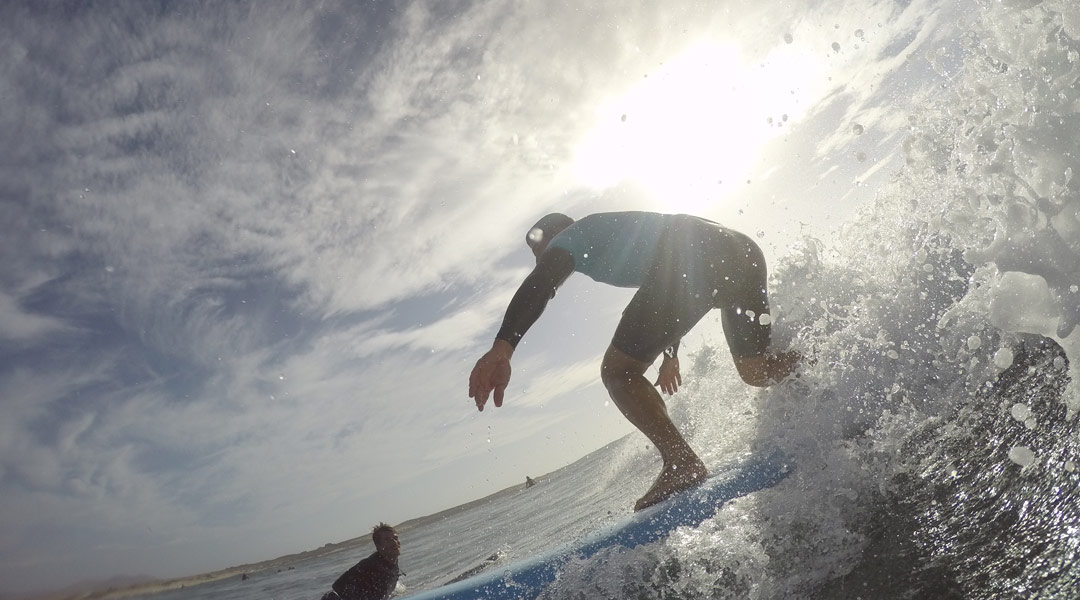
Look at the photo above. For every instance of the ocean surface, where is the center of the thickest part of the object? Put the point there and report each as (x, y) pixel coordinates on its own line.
(933, 426)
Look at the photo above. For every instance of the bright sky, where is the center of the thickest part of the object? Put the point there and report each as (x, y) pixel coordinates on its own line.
(252, 250)
(703, 96)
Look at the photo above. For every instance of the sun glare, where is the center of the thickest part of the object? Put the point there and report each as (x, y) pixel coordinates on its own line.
(690, 131)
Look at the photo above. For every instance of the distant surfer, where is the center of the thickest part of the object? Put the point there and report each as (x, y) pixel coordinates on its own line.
(683, 266)
(529, 482)
(375, 577)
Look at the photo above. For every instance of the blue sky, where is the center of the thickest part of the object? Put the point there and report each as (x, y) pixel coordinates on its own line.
(251, 250)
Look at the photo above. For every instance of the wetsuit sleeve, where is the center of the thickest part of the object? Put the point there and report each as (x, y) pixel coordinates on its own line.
(532, 296)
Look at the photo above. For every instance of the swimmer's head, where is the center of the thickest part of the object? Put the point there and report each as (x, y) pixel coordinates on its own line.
(540, 235)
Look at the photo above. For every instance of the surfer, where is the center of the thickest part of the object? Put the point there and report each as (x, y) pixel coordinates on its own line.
(375, 577)
(683, 266)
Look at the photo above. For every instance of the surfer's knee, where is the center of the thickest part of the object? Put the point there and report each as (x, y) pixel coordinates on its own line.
(618, 369)
(764, 370)
(752, 370)
(614, 377)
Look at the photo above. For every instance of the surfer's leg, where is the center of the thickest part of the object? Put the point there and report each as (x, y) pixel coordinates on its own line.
(662, 311)
(642, 405)
(758, 364)
(744, 312)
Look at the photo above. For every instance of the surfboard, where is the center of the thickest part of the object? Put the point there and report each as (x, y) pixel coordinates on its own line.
(524, 580)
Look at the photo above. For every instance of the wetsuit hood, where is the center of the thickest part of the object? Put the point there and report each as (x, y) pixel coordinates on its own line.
(546, 228)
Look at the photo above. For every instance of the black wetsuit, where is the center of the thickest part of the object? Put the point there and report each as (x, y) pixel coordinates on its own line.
(683, 266)
(373, 578)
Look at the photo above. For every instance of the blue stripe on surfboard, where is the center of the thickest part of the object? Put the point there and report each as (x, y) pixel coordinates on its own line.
(525, 580)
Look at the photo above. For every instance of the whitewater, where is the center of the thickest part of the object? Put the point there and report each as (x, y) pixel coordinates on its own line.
(934, 424)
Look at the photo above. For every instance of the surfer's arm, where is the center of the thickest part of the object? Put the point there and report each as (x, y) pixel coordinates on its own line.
(491, 374)
(531, 298)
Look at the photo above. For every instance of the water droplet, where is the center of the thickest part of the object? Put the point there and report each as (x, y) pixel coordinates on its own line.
(1022, 455)
(1020, 411)
(1003, 358)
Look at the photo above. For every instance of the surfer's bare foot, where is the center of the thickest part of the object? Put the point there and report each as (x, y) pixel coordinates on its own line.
(672, 480)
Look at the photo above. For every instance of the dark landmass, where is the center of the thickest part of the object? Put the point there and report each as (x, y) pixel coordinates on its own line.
(117, 588)
(126, 587)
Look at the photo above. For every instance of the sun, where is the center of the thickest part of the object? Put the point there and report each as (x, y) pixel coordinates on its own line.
(689, 132)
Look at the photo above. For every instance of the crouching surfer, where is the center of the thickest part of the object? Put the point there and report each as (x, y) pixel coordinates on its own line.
(683, 267)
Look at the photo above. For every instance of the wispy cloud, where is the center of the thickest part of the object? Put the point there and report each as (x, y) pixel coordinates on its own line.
(17, 325)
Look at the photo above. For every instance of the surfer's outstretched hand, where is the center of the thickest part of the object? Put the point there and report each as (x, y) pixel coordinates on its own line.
(491, 374)
(669, 379)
